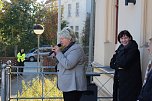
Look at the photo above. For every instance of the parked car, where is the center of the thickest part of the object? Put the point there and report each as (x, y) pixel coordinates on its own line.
(33, 53)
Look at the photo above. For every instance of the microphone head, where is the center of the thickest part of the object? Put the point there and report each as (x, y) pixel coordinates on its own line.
(59, 45)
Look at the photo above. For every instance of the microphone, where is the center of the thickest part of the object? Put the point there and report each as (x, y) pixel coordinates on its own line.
(59, 45)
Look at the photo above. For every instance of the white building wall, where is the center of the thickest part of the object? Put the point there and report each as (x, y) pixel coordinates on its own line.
(134, 18)
(99, 30)
(84, 8)
(130, 18)
(104, 31)
(137, 19)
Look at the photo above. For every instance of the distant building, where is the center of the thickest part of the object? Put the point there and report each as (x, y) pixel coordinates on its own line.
(75, 13)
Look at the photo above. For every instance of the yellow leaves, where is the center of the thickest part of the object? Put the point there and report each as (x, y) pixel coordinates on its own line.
(36, 88)
(1, 5)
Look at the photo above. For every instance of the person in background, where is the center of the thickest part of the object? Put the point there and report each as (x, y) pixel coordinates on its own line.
(146, 91)
(126, 62)
(20, 60)
(70, 67)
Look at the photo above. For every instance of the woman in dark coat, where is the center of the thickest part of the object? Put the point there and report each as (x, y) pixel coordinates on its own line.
(126, 62)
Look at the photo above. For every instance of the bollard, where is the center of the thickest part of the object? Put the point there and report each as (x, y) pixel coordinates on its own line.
(8, 80)
(3, 83)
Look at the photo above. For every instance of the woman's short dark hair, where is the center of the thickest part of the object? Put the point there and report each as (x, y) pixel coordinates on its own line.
(124, 32)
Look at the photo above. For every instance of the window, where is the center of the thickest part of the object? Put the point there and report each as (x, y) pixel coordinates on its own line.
(69, 10)
(71, 27)
(76, 28)
(77, 31)
(77, 9)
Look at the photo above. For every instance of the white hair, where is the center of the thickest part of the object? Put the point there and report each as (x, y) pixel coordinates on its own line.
(68, 33)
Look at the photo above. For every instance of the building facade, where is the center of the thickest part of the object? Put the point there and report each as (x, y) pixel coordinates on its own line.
(75, 13)
(113, 16)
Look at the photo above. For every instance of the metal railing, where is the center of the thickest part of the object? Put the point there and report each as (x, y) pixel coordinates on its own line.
(5, 81)
(16, 85)
(104, 81)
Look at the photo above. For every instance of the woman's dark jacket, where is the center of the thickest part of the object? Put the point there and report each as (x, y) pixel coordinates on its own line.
(127, 77)
(146, 92)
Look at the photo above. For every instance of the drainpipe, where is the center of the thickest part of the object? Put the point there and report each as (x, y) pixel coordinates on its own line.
(116, 30)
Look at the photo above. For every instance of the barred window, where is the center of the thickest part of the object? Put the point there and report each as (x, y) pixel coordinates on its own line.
(69, 10)
(77, 31)
(71, 27)
(77, 9)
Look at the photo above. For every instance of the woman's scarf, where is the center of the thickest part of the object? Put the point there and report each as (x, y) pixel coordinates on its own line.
(66, 48)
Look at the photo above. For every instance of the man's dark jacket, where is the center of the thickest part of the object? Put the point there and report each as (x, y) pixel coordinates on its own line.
(146, 92)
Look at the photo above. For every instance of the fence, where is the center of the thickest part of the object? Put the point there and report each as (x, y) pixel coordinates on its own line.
(26, 83)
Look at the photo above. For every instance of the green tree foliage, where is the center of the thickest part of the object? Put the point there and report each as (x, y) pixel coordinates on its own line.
(17, 19)
(50, 23)
(64, 23)
(16, 25)
(85, 37)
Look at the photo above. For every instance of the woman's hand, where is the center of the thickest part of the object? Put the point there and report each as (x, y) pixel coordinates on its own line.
(56, 49)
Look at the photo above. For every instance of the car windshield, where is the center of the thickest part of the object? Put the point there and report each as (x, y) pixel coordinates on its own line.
(32, 50)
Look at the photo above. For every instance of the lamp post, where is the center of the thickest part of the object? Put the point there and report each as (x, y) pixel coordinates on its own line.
(38, 30)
